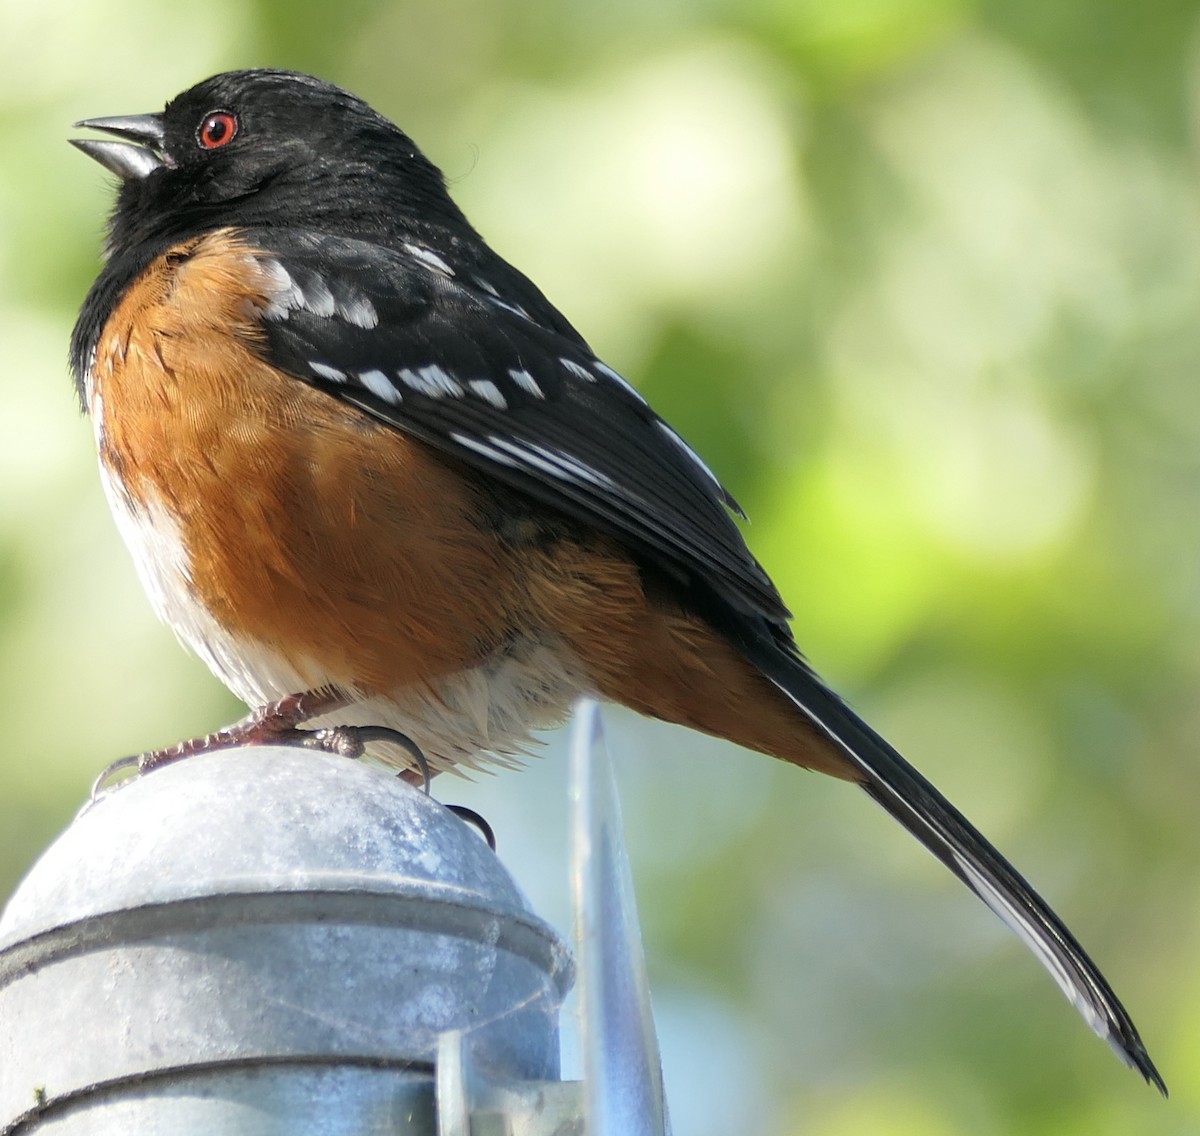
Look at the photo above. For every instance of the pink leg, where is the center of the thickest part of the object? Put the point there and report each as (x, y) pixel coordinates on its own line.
(279, 724)
(275, 724)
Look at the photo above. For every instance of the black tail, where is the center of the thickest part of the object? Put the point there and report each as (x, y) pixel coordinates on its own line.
(937, 824)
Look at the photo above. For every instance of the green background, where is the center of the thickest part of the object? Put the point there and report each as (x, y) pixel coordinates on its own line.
(921, 279)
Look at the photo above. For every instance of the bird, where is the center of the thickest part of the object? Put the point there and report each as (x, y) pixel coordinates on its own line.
(373, 478)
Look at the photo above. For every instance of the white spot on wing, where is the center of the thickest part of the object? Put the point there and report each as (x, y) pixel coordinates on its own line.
(577, 369)
(430, 259)
(431, 381)
(380, 386)
(526, 382)
(440, 380)
(316, 297)
(325, 371)
(285, 296)
(572, 467)
(605, 370)
(489, 392)
(359, 311)
(687, 450)
(528, 459)
(556, 464)
(496, 302)
(274, 272)
(481, 447)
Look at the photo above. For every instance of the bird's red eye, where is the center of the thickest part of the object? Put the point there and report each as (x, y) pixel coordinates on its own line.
(218, 129)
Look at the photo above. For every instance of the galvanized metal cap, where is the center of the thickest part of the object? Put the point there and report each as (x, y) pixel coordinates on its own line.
(264, 909)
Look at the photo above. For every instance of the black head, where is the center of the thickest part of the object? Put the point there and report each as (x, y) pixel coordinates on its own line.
(263, 148)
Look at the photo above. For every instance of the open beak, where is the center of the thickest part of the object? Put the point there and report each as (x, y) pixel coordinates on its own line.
(139, 153)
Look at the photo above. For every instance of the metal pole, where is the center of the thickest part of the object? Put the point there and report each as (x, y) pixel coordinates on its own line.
(274, 942)
(266, 941)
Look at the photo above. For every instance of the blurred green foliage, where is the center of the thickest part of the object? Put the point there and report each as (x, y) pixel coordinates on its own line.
(921, 278)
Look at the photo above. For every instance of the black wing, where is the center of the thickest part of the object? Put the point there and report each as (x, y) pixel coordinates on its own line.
(471, 358)
(464, 353)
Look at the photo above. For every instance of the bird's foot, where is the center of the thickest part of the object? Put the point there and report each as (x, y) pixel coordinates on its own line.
(275, 724)
(352, 741)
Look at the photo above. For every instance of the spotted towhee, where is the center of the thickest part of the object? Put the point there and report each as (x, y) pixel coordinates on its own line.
(372, 477)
